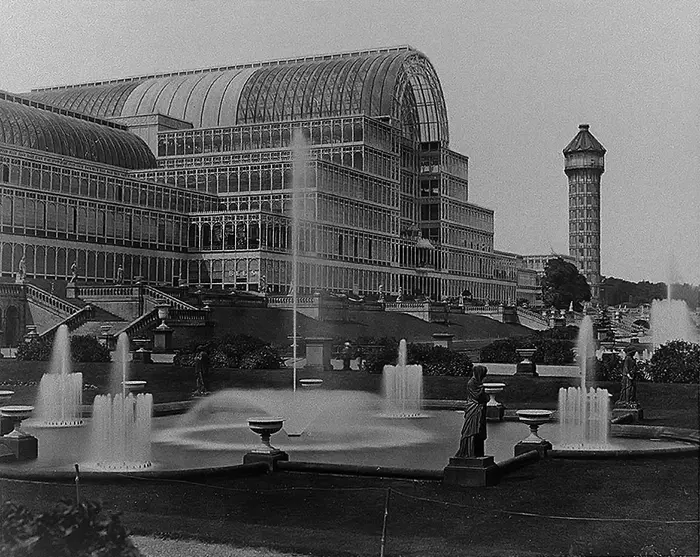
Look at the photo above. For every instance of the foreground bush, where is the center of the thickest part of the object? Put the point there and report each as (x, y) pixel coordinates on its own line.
(83, 348)
(68, 530)
(677, 361)
(233, 351)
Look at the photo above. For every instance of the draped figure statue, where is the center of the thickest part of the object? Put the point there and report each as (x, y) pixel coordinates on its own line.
(474, 429)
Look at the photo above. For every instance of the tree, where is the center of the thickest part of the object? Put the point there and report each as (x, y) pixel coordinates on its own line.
(562, 284)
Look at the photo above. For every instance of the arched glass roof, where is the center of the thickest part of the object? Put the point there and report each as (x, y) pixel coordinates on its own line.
(32, 127)
(399, 83)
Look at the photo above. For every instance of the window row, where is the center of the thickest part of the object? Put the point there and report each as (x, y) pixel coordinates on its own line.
(103, 187)
(111, 224)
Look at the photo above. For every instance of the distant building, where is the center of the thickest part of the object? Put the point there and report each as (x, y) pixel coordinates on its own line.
(584, 164)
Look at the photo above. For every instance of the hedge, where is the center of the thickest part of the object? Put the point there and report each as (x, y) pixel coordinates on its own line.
(233, 351)
(83, 348)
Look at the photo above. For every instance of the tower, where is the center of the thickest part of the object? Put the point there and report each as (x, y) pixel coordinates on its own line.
(583, 165)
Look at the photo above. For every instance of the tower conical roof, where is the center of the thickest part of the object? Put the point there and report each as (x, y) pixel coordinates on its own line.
(584, 141)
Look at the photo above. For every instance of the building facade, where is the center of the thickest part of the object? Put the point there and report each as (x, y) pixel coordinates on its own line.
(194, 177)
(584, 164)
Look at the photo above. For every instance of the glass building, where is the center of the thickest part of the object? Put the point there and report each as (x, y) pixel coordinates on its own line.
(189, 176)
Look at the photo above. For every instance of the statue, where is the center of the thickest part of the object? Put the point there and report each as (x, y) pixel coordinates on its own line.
(346, 356)
(120, 275)
(471, 443)
(381, 292)
(628, 391)
(22, 270)
(263, 284)
(73, 272)
(399, 297)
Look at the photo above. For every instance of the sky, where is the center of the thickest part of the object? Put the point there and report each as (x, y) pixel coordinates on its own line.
(518, 78)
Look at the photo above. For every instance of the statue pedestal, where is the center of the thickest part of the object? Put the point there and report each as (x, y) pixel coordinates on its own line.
(475, 471)
(24, 448)
(526, 446)
(7, 424)
(318, 353)
(637, 413)
(271, 459)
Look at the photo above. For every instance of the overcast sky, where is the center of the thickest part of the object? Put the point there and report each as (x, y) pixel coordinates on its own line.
(518, 77)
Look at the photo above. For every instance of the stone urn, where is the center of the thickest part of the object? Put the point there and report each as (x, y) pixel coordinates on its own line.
(533, 442)
(17, 414)
(265, 427)
(526, 365)
(5, 396)
(6, 423)
(494, 409)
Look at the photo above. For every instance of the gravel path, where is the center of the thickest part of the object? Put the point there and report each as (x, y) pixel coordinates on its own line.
(161, 547)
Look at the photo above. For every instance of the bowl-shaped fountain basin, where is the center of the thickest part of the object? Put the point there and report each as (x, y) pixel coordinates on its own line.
(265, 426)
(131, 386)
(5, 396)
(17, 412)
(494, 388)
(311, 383)
(534, 417)
(526, 353)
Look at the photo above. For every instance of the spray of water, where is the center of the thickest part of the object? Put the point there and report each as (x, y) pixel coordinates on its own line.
(300, 157)
(403, 387)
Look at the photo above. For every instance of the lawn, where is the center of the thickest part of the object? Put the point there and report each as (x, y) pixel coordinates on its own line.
(554, 507)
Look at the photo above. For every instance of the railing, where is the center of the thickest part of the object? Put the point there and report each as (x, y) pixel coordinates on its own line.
(8, 289)
(37, 294)
(139, 323)
(483, 309)
(532, 317)
(111, 290)
(188, 315)
(174, 302)
(72, 321)
(287, 300)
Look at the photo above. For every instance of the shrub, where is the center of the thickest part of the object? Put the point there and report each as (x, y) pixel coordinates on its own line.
(232, 351)
(68, 530)
(38, 350)
(265, 357)
(83, 348)
(378, 352)
(438, 360)
(609, 368)
(677, 361)
(502, 351)
(549, 351)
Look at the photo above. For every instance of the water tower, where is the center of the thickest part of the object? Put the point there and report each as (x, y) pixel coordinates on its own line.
(583, 165)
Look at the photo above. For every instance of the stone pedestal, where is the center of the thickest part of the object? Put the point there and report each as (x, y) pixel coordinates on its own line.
(162, 338)
(6, 455)
(25, 447)
(318, 353)
(526, 365)
(477, 471)
(6, 425)
(271, 459)
(71, 290)
(637, 413)
(541, 447)
(142, 356)
(494, 413)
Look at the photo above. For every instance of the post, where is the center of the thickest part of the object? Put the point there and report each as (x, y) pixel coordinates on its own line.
(384, 523)
(77, 484)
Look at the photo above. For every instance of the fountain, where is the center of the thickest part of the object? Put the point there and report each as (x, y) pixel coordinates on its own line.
(670, 320)
(60, 391)
(121, 423)
(403, 387)
(584, 412)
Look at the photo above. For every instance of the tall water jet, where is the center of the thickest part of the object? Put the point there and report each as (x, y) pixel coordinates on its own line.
(60, 391)
(670, 320)
(300, 157)
(584, 412)
(402, 385)
(121, 423)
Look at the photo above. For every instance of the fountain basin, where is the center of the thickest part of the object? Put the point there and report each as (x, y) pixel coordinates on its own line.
(311, 383)
(132, 386)
(5, 396)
